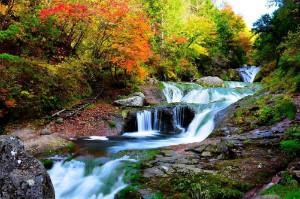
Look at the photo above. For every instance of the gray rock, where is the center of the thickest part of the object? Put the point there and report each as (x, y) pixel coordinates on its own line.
(210, 82)
(153, 81)
(135, 100)
(297, 174)
(21, 175)
(46, 143)
(137, 94)
(45, 132)
(206, 154)
(151, 172)
(268, 197)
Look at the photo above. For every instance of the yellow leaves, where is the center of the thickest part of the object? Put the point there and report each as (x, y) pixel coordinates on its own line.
(199, 49)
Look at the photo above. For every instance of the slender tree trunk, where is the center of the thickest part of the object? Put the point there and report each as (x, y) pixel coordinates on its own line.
(161, 38)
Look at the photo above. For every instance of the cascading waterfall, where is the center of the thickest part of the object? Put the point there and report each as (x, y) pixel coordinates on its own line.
(249, 73)
(172, 93)
(75, 180)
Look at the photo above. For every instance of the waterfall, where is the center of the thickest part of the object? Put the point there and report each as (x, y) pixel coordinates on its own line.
(78, 180)
(144, 121)
(144, 124)
(249, 73)
(172, 93)
(157, 120)
(178, 116)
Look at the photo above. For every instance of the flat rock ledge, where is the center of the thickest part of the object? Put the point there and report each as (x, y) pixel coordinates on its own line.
(134, 100)
(38, 142)
(21, 175)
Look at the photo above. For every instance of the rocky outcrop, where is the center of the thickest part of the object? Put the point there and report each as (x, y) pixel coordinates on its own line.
(134, 100)
(153, 94)
(210, 82)
(21, 175)
(38, 142)
(250, 159)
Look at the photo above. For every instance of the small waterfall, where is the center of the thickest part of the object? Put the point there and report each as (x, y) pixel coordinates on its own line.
(145, 125)
(144, 121)
(178, 116)
(249, 73)
(78, 180)
(202, 125)
(172, 93)
(157, 120)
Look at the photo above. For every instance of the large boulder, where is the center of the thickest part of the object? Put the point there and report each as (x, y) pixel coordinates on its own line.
(21, 175)
(210, 82)
(134, 100)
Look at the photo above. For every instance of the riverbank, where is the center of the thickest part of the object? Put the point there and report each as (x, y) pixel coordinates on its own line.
(240, 156)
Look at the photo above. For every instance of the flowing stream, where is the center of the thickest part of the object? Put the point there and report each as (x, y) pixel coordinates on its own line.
(101, 178)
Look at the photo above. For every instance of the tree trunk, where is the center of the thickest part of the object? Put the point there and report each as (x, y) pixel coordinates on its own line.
(161, 38)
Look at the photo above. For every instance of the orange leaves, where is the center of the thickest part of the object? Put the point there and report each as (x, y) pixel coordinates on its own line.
(130, 37)
(180, 40)
(119, 30)
(10, 103)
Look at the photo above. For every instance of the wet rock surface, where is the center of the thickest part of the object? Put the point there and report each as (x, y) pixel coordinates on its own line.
(153, 94)
(21, 175)
(252, 156)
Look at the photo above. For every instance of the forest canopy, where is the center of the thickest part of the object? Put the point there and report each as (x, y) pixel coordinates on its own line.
(52, 51)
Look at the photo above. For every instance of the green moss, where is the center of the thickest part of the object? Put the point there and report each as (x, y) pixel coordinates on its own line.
(160, 85)
(292, 133)
(283, 107)
(247, 142)
(112, 124)
(205, 185)
(290, 146)
(48, 164)
(280, 81)
(288, 189)
(5, 56)
(128, 192)
(231, 144)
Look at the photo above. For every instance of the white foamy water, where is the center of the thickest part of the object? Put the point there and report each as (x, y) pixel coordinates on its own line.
(79, 180)
(249, 73)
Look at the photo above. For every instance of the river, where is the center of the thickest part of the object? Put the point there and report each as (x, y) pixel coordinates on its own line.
(89, 177)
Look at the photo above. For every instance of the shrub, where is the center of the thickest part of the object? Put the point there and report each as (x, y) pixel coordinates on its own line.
(290, 146)
(283, 107)
(5, 56)
(112, 124)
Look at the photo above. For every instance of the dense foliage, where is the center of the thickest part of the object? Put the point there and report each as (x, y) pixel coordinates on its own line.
(51, 51)
(278, 42)
(68, 44)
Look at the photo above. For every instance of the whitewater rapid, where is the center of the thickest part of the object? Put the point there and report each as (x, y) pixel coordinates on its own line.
(102, 178)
